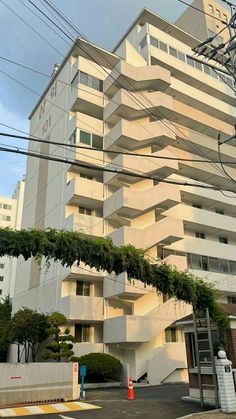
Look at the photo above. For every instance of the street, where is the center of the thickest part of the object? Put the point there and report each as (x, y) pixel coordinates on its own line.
(155, 402)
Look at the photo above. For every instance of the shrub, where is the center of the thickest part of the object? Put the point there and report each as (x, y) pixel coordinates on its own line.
(100, 367)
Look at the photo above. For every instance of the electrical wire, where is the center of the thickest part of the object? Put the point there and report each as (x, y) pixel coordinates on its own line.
(49, 157)
(202, 11)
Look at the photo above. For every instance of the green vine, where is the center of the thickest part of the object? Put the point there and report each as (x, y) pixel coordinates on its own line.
(72, 248)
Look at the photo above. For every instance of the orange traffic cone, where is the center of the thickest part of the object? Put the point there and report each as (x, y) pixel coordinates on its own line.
(130, 390)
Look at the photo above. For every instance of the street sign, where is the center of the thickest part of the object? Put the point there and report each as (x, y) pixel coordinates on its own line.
(83, 371)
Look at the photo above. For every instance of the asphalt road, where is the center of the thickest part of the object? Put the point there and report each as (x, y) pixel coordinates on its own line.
(159, 402)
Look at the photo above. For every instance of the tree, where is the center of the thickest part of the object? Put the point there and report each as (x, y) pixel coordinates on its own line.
(28, 328)
(73, 247)
(5, 319)
(62, 342)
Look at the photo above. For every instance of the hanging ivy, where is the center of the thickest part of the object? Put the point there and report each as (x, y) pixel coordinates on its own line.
(73, 247)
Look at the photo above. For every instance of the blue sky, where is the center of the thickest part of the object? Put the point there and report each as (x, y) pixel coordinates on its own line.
(102, 21)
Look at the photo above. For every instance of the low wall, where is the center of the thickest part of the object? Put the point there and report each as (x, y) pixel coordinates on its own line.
(38, 382)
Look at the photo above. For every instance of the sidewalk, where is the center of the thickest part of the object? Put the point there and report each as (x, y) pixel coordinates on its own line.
(212, 414)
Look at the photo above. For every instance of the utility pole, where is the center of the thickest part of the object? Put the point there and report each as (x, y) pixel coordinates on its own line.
(223, 55)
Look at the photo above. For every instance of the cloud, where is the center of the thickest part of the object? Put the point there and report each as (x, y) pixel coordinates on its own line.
(12, 165)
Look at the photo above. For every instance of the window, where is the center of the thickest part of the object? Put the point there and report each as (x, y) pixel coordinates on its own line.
(190, 61)
(83, 288)
(90, 139)
(173, 51)
(86, 176)
(231, 299)
(154, 42)
(224, 265)
(197, 206)
(6, 206)
(72, 138)
(0, 292)
(196, 261)
(74, 82)
(206, 69)
(223, 240)
(5, 217)
(2, 265)
(1, 278)
(90, 81)
(85, 138)
(214, 264)
(210, 7)
(170, 334)
(86, 211)
(225, 18)
(143, 43)
(205, 266)
(200, 235)
(82, 333)
(219, 211)
(218, 13)
(211, 264)
(232, 267)
(181, 56)
(198, 65)
(163, 46)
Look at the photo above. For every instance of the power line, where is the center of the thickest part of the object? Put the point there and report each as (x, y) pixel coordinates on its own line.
(76, 146)
(17, 150)
(202, 11)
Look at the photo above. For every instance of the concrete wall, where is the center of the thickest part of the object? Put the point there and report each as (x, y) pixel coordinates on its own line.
(24, 383)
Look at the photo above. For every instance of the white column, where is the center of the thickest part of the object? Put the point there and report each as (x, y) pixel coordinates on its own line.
(225, 383)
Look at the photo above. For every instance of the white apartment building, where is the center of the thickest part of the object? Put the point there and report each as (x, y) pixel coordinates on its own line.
(146, 97)
(10, 216)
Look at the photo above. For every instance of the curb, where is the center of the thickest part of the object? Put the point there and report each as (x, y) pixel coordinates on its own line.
(195, 415)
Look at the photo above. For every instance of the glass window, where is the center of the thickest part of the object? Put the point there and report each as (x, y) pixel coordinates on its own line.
(85, 137)
(4, 217)
(223, 240)
(189, 262)
(231, 299)
(232, 266)
(190, 61)
(74, 82)
(200, 235)
(214, 74)
(143, 43)
(167, 252)
(196, 261)
(170, 334)
(82, 333)
(224, 265)
(2, 265)
(173, 51)
(6, 206)
(210, 7)
(214, 264)
(218, 13)
(225, 18)
(163, 46)
(219, 211)
(82, 288)
(205, 265)
(90, 81)
(197, 206)
(86, 211)
(206, 69)
(1, 278)
(97, 141)
(198, 65)
(181, 56)
(0, 292)
(154, 42)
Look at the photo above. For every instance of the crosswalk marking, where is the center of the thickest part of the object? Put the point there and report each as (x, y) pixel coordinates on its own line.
(49, 408)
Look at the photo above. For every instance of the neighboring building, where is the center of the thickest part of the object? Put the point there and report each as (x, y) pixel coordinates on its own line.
(146, 97)
(10, 216)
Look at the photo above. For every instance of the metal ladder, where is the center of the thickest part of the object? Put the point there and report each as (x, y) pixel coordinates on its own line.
(202, 325)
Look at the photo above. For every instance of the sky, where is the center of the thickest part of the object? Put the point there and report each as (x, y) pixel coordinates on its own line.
(101, 21)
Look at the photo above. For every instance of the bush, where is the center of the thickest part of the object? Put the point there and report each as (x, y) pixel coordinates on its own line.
(100, 367)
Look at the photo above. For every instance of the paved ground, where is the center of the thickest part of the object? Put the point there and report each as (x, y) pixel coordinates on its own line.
(161, 402)
(214, 415)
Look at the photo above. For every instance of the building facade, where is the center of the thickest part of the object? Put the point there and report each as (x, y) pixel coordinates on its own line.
(10, 216)
(146, 97)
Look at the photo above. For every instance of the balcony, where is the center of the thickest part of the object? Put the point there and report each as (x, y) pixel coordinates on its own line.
(84, 192)
(131, 107)
(77, 307)
(88, 224)
(82, 272)
(140, 329)
(85, 348)
(164, 232)
(130, 135)
(131, 203)
(150, 167)
(86, 100)
(179, 262)
(121, 287)
(136, 78)
(195, 219)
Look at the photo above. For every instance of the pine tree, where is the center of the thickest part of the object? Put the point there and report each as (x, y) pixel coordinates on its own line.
(60, 347)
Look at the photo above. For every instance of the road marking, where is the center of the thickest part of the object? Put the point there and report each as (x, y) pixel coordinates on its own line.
(49, 408)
